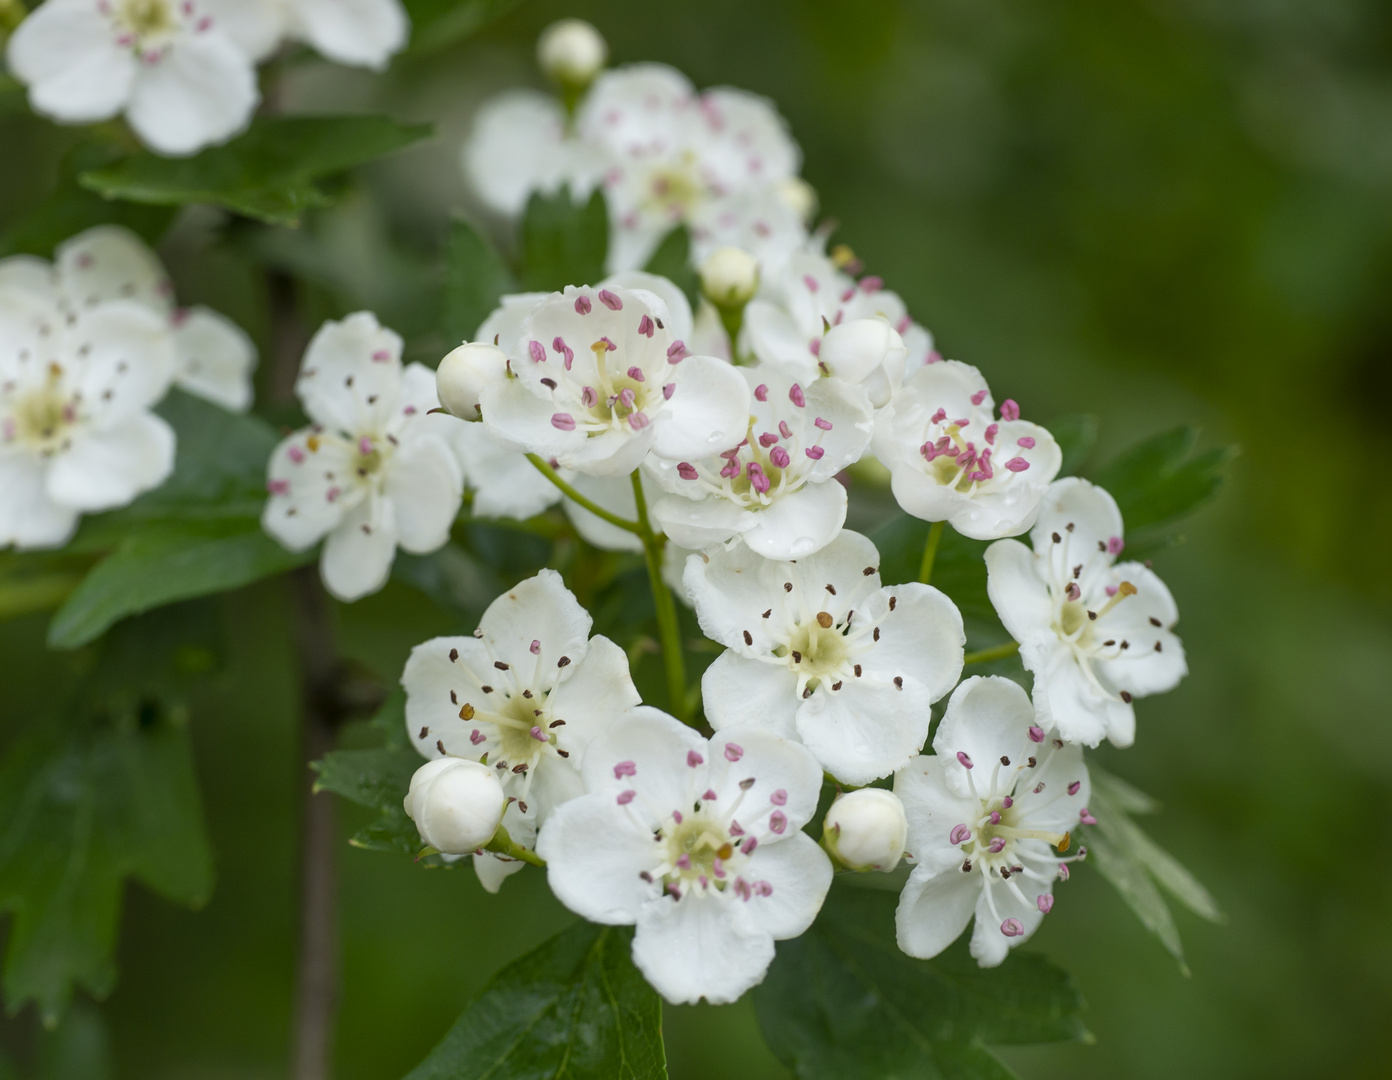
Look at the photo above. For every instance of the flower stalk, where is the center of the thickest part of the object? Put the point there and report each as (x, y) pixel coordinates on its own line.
(930, 552)
(995, 652)
(593, 507)
(668, 626)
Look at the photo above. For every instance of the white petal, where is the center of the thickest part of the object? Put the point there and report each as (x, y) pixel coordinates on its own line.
(201, 92)
(1091, 511)
(1071, 704)
(215, 358)
(987, 718)
(594, 851)
(350, 379)
(701, 947)
(364, 33)
(867, 729)
(801, 524)
(29, 518)
(700, 523)
(612, 453)
(110, 467)
(773, 336)
(737, 690)
(612, 493)
(678, 318)
(127, 359)
(302, 513)
(707, 412)
(426, 486)
(922, 638)
(539, 609)
(1017, 591)
(988, 944)
(848, 409)
(504, 324)
(504, 482)
(731, 588)
(519, 145)
(255, 26)
(934, 909)
(1052, 808)
(358, 553)
(67, 53)
(1142, 669)
(521, 418)
(933, 809)
(800, 873)
(492, 870)
(33, 275)
(109, 262)
(784, 774)
(657, 745)
(599, 691)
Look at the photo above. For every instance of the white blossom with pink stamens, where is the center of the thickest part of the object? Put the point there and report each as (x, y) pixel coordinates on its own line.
(182, 82)
(1096, 633)
(696, 843)
(525, 695)
(819, 651)
(776, 487)
(990, 813)
(375, 471)
(951, 459)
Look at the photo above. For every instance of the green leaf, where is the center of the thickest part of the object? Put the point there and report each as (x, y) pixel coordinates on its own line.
(475, 280)
(78, 814)
(1076, 435)
(438, 23)
(563, 242)
(271, 173)
(78, 1048)
(672, 260)
(1135, 864)
(1157, 481)
(575, 1007)
(843, 1002)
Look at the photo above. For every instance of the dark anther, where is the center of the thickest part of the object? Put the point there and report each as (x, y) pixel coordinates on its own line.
(454, 655)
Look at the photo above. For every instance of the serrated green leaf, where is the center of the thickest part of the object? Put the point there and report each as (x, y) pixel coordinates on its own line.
(575, 1007)
(78, 814)
(1076, 435)
(1135, 886)
(1157, 481)
(672, 260)
(438, 23)
(271, 173)
(476, 278)
(564, 242)
(842, 1002)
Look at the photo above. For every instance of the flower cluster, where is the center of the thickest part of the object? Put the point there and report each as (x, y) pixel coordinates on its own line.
(183, 72)
(737, 425)
(88, 345)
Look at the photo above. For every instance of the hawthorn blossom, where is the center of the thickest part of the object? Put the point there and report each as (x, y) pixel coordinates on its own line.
(525, 695)
(819, 651)
(776, 487)
(374, 471)
(987, 843)
(600, 381)
(866, 829)
(457, 804)
(213, 356)
(182, 82)
(698, 844)
(951, 460)
(1094, 632)
(361, 33)
(76, 388)
(796, 305)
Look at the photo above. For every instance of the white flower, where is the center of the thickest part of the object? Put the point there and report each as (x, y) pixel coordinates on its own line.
(214, 357)
(464, 372)
(951, 460)
(167, 64)
(786, 322)
(572, 52)
(457, 805)
(986, 811)
(375, 471)
(712, 161)
(698, 844)
(1095, 633)
(867, 352)
(363, 33)
(817, 650)
(601, 380)
(76, 387)
(526, 694)
(866, 829)
(776, 487)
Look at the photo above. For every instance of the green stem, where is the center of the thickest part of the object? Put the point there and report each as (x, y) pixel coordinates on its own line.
(996, 652)
(668, 628)
(930, 552)
(580, 500)
(504, 844)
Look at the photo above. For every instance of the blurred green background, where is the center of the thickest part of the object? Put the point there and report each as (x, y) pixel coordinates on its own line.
(1157, 211)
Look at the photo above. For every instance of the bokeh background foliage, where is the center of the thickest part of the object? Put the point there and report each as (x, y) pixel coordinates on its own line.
(1156, 212)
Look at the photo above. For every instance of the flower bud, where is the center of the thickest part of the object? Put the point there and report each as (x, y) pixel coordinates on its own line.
(456, 804)
(463, 374)
(572, 52)
(866, 829)
(800, 196)
(730, 277)
(869, 352)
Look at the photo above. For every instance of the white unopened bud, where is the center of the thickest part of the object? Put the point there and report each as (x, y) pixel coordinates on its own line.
(866, 829)
(572, 52)
(800, 196)
(463, 374)
(869, 352)
(456, 804)
(730, 277)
